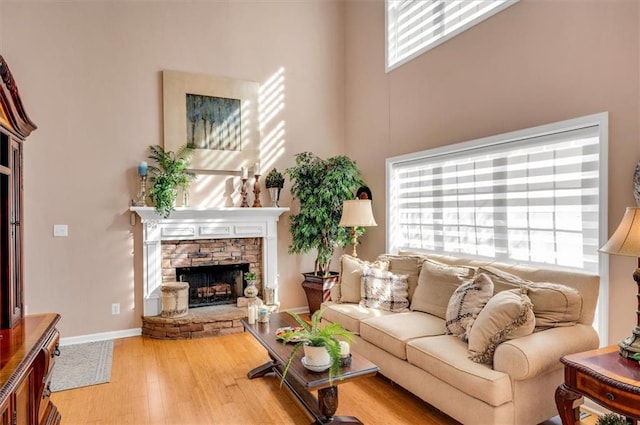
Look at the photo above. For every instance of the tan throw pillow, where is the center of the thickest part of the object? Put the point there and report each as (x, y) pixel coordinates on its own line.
(384, 290)
(502, 281)
(554, 304)
(350, 275)
(507, 315)
(436, 284)
(465, 305)
(405, 264)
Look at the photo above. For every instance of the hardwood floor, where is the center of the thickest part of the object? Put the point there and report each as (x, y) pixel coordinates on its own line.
(204, 381)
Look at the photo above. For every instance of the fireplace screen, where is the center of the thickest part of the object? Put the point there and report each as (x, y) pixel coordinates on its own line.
(213, 284)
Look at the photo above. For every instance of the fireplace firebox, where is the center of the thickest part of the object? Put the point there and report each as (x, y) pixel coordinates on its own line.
(213, 284)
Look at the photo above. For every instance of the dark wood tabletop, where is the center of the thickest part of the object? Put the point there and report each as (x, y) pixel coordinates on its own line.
(265, 333)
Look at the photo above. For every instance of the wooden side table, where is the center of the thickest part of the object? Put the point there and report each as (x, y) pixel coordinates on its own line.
(605, 377)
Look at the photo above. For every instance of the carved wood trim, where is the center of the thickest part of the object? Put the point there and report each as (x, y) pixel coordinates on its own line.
(11, 104)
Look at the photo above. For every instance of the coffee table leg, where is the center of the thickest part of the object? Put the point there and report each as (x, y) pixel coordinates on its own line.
(261, 370)
(565, 402)
(328, 401)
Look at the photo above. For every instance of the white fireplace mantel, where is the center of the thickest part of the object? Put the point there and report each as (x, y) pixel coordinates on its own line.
(203, 223)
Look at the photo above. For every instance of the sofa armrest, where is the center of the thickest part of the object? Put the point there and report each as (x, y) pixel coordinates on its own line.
(540, 352)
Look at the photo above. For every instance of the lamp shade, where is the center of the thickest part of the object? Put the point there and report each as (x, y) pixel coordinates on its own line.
(626, 239)
(357, 212)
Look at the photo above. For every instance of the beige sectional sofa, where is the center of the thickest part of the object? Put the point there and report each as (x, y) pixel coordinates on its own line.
(412, 348)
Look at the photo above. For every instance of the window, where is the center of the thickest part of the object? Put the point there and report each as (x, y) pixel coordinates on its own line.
(534, 197)
(415, 26)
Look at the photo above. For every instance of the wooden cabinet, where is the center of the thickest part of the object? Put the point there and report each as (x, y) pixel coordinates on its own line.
(28, 344)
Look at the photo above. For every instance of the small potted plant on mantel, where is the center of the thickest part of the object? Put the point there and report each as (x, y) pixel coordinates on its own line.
(321, 344)
(274, 183)
(169, 174)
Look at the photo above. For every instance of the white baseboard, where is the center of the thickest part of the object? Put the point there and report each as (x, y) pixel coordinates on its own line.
(100, 336)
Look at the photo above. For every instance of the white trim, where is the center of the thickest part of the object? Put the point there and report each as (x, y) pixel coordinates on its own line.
(600, 120)
(103, 336)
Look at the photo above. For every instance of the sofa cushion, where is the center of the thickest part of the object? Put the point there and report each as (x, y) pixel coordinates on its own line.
(507, 315)
(446, 357)
(349, 315)
(384, 290)
(392, 332)
(465, 305)
(436, 284)
(553, 304)
(404, 264)
(350, 275)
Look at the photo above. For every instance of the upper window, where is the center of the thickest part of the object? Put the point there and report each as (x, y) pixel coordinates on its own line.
(532, 196)
(415, 26)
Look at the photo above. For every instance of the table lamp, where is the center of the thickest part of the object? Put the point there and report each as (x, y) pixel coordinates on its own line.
(626, 241)
(356, 213)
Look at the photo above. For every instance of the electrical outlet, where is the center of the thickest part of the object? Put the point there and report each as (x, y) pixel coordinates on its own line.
(115, 308)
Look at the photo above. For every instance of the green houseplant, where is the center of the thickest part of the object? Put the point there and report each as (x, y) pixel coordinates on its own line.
(274, 183)
(314, 335)
(611, 419)
(320, 185)
(169, 173)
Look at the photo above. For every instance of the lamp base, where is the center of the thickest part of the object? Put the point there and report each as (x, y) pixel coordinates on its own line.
(631, 344)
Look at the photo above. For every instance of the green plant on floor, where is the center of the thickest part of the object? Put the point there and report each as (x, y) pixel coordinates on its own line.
(315, 335)
(169, 173)
(611, 419)
(321, 185)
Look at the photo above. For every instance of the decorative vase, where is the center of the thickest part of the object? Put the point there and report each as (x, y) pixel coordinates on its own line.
(274, 192)
(316, 357)
(251, 291)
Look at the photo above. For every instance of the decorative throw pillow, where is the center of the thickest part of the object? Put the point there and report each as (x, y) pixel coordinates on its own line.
(553, 304)
(350, 275)
(384, 290)
(466, 303)
(507, 315)
(436, 284)
(405, 264)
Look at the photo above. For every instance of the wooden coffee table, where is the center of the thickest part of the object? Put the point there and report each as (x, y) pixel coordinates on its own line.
(300, 381)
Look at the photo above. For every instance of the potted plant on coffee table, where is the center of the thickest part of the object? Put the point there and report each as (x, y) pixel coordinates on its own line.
(320, 185)
(169, 173)
(321, 344)
(274, 183)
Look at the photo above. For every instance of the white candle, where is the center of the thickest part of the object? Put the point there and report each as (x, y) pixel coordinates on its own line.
(244, 172)
(256, 169)
(344, 349)
(251, 312)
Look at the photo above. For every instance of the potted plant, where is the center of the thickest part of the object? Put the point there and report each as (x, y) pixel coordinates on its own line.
(320, 185)
(274, 183)
(251, 290)
(611, 419)
(169, 174)
(321, 344)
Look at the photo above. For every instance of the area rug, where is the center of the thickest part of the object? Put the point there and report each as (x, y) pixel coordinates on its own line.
(81, 365)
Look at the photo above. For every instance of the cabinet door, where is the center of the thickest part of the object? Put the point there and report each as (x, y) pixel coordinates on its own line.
(5, 413)
(14, 308)
(23, 402)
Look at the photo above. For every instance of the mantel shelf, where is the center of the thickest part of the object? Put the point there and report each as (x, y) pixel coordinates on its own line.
(226, 214)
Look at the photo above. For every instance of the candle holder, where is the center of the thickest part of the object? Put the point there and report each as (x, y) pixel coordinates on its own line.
(256, 192)
(243, 193)
(141, 197)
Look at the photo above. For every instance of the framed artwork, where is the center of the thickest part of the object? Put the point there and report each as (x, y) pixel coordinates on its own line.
(217, 116)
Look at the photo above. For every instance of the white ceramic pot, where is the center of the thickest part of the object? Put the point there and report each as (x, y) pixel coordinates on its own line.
(316, 356)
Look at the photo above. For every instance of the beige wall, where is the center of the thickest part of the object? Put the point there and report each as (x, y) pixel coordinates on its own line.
(534, 63)
(89, 75)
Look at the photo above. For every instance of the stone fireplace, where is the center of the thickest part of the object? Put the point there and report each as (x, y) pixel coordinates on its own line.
(193, 237)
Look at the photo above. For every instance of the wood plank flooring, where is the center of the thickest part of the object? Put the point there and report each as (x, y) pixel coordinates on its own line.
(204, 381)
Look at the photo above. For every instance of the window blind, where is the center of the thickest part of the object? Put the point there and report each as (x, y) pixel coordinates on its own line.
(532, 200)
(414, 26)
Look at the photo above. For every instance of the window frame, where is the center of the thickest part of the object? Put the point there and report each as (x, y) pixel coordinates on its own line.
(601, 121)
(387, 21)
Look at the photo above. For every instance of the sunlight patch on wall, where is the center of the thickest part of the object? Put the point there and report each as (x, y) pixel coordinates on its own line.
(271, 102)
